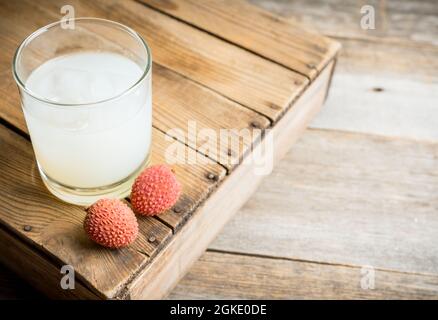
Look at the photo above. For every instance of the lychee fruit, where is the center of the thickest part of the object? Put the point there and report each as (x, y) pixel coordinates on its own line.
(155, 190)
(111, 223)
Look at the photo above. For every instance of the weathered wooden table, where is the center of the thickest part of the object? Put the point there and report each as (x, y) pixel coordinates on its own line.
(359, 191)
(359, 188)
(223, 64)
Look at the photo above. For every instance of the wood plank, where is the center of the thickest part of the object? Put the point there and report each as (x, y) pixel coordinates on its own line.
(345, 198)
(384, 89)
(231, 71)
(393, 106)
(288, 130)
(183, 109)
(43, 273)
(257, 30)
(194, 178)
(219, 275)
(189, 243)
(386, 80)
(167, 85)
(24, 201)
(396, 20)
(380, 58)
(189, 200)
(23, 195)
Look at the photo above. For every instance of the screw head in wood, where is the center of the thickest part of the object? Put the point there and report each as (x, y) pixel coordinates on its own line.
(211, 176)
(177, 209)
(27, 228)
(151, 239)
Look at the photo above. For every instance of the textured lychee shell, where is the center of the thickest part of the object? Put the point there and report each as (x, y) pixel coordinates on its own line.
(111, 223)
(155, 190)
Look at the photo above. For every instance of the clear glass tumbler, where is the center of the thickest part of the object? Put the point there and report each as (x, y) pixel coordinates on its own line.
(87, 99)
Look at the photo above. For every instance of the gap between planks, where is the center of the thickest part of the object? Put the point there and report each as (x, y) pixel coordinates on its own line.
(325, 263)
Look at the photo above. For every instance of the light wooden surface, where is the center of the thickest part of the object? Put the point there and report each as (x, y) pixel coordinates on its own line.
(346, 199)
(25, 201)
(209, 219)
(197, 76)
(359, 188)
(223, 275)
(399, 56)
(267, 35)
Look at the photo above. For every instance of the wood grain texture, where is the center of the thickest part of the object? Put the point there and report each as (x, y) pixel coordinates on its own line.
(25, 201)
(39, 270)
(189, 243)
(384, 89)
(196, 185)
(396, 20)
(209, 109)
(390, 105)
(240, 88)
(177, 99)
(257, 30)
(218, 275)
(386, 80)
(59, 234)
(347, 199)
(237, 74)
(190, 112)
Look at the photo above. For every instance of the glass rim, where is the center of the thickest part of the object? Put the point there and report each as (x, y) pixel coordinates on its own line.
(41, 30)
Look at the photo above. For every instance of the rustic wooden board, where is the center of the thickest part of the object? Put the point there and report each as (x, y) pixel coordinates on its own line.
(387, 78)
(384, 85)
(256, 30)
(224, 86)
(397, 21)
(187, 245)
(57, 227)
(348, 199)
(222, 113)
(218, 275)
(250, 80)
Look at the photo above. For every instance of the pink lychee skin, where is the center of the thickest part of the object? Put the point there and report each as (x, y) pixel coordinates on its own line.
(155, 190)
(111, 223)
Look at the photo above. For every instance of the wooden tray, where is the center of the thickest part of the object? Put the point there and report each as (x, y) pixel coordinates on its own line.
(225, 64)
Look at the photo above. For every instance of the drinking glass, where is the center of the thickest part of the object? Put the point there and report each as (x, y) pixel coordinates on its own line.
(87, 101)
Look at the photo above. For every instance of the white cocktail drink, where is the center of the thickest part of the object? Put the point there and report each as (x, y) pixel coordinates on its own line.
(97, 133)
